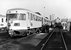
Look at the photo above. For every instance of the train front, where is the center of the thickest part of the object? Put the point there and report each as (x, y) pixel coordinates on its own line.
(15, 21)
(11, 18)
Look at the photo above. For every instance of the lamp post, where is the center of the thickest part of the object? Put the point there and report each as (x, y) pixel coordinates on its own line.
(44, 10)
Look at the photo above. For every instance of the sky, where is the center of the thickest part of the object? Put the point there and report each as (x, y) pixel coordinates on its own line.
(60, 8)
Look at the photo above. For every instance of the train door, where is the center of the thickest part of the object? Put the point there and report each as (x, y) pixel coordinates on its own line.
(28, 20)
(31, 20)
(22, 21)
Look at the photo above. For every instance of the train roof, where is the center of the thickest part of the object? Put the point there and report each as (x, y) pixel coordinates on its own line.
(18, 9)
(29, 11)
(25, 10)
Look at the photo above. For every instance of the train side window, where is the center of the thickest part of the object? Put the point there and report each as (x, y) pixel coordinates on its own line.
(22, 17)
(34, 17)
(40, 18)
(2, 19)
(44, 20)
(29, 15)
(37, 18)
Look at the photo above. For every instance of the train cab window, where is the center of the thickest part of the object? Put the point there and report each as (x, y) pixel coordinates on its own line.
(22, 17)
(11, 16)
(44, 20)
(34, 17)
(38, 18)
(6, 19)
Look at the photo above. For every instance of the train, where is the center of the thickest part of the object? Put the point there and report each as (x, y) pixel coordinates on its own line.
(3, 24)
(24, 22)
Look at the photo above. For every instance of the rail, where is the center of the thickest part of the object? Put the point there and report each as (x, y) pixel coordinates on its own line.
(47, 39)
(64, 41)
(50, 39)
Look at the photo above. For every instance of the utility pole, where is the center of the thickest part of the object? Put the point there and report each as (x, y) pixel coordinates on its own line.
(44, 10)
(50, 17)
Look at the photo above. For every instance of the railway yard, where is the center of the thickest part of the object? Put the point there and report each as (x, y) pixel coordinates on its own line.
(57, 39)
(22, 29)
(35, 25)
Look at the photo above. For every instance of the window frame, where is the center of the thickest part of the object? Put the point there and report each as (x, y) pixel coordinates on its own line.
(2, 20)
(22, 17)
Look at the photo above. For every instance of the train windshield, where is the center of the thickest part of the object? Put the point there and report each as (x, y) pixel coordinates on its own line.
(11, 16)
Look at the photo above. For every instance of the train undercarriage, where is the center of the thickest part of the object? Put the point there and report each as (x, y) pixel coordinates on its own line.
(43, 29)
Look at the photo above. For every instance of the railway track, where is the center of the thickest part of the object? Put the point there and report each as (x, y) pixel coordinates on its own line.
(55, 41)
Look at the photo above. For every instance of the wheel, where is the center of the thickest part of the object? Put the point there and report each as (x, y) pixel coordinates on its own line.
(11, 33)
(38, 30)
(45, 31)
(29, 33)
(24, 34)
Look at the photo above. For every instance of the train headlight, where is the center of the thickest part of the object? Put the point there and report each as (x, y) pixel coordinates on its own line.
(1, 24)
(16, 24)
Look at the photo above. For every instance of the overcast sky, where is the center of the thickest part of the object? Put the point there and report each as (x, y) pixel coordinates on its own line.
(61, 8)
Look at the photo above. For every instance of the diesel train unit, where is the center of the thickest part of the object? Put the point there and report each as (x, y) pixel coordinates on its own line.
(24, 22)
(3, 24)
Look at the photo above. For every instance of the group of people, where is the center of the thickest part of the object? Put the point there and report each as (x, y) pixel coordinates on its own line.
(57, 25)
